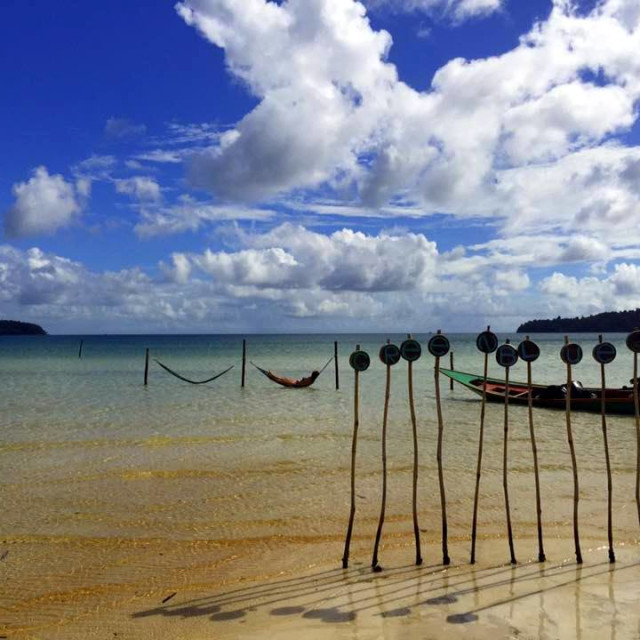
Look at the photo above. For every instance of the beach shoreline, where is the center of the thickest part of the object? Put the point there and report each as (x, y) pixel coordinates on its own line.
(148, 591)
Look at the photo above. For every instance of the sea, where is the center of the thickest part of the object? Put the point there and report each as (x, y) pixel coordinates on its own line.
(111, 488)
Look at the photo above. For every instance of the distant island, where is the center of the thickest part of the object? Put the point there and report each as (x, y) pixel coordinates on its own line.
(609, 321)
(15, 328)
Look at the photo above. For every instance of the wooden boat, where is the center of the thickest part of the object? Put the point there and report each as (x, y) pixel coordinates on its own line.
(617, 401)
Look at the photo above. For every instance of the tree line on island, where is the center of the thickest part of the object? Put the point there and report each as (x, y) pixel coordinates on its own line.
(15, 328)
(609, 321)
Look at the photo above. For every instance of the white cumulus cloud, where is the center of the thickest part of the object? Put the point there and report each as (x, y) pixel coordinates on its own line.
(140, 187)
(43, 204)
(521, 136)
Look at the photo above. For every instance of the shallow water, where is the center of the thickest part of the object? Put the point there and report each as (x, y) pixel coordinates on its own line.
(112, 490)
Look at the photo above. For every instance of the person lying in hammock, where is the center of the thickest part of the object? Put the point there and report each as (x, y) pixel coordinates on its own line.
(290, 382)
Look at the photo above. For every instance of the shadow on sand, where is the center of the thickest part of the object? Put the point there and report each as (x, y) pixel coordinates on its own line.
(460, 595)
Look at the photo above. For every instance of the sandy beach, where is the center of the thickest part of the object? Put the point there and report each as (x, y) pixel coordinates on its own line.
(155, 589)
(178, 512)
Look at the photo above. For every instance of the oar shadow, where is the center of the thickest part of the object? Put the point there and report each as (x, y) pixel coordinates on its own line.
(472, 614)
(339, 595)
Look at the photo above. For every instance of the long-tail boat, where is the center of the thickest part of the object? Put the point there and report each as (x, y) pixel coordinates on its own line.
(617, 401)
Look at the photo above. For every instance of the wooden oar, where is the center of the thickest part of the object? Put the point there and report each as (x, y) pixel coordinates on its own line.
(389, 355)
(633, 342)
(571, 354)
(604, 353)
(507, 356)
(411, 350)
(439, 346)
(529, 352)
(487, 342)
(359, 361)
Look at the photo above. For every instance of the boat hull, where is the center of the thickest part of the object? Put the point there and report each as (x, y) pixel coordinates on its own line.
(617, 401)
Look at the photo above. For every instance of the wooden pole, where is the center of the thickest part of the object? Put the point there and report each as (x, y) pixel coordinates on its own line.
(354, 443)
(451, 366)
(479, 467)
(612, 555)
(374, 562)
(414, 423)
(244, 362)
(636, 404)
(80, 350)
(335, 362)
(443, 501)
(504, 465)
(574, 464)
(146, 367)
(534, 449)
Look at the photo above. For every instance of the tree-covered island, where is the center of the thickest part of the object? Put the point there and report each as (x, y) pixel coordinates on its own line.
(15, 328)
(609, 321)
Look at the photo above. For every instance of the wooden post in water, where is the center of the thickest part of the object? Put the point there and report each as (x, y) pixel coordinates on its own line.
(410, 350)
(244, 362)
(359, 361)
(389, 355)
(438, 347)
(529, 352)
(487, 342)
(146, 367)
(633, 343)
(604, 353)
(452, 367)
(506, 357)
(572, 354)
(80, 350)
(335, 362)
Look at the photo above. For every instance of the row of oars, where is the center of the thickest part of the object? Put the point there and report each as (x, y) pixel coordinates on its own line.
(506, 356)
(410, 350)
(571, 354)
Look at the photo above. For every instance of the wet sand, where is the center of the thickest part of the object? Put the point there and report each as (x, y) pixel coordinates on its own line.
(185, 538)
(155, 589)
(190, 514)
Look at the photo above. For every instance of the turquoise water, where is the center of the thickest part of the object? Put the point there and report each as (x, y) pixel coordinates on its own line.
(47, 392)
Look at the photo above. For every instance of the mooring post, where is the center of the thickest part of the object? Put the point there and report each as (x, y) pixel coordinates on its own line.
(80, 350)
(146, 367)
(244, 361)
(335, 361)
(452, 368)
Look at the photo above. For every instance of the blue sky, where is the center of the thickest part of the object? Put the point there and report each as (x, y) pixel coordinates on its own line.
(317, 165)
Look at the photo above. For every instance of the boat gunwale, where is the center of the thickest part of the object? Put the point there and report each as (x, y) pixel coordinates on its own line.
(618, 399)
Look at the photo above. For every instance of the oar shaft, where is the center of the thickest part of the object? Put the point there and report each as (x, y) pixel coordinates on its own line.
(505, 468)
(354, 446)
(414, 424)
(479, 468)
(443, 502)
(534, 449)
(612, 555)
(374, 561)
(574, 465)
(636, 404)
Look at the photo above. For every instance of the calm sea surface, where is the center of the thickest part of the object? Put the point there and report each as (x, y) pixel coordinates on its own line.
(132, 483)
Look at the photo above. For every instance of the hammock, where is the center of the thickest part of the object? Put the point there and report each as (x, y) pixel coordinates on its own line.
(289, 382)
(177, 375)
